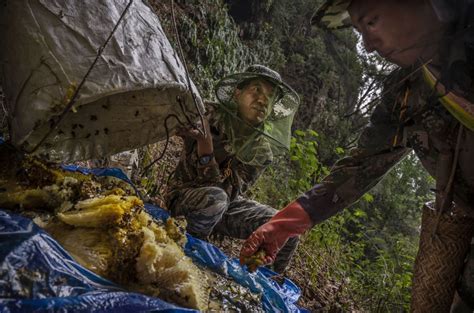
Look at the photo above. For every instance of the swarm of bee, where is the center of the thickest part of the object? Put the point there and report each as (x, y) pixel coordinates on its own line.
(104, 227)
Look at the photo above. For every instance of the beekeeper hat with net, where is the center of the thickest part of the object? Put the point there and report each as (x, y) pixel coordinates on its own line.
(273, 135)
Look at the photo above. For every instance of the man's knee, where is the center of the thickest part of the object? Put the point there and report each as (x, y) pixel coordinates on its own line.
(216, 201)
(212, 205)
(211, 199)
(267, 211)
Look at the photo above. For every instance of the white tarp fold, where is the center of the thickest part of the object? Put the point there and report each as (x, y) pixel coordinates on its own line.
(47, 46)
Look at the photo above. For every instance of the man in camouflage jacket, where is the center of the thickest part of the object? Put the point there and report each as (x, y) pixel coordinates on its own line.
(215, 170)
(427, 106)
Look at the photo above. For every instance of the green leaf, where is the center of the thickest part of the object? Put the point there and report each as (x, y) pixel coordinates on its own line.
(368, 198)
(300, 133)
(339, 150)
(360, 213)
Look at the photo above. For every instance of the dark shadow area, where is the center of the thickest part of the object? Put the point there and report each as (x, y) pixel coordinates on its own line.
(241, 10)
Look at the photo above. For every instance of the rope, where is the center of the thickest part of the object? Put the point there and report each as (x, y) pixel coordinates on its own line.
(147, 168)
(188, 79)
(179, 100)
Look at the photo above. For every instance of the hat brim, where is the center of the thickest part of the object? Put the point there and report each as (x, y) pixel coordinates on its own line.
(289, 98)
(333, 15)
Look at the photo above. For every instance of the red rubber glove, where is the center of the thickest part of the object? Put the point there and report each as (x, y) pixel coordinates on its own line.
(272, 236)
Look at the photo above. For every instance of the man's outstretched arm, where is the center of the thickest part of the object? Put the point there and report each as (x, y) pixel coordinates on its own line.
(347, 182)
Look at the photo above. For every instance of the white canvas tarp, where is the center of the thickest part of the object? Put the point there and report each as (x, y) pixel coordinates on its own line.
(47, 46)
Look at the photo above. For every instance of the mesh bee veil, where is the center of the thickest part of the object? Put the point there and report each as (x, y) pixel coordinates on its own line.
(273, 135)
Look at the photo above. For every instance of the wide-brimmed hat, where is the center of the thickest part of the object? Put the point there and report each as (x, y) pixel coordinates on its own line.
(287, 100)
(333, 15)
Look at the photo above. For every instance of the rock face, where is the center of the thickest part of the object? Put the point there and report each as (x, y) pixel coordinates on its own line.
(105, 228)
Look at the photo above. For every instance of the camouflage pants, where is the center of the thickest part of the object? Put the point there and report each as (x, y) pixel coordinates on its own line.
(209, 210)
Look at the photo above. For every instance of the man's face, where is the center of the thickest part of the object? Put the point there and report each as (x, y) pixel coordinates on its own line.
(254, 100)
(401, 31)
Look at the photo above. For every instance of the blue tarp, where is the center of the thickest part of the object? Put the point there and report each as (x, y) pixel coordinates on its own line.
(37, 274)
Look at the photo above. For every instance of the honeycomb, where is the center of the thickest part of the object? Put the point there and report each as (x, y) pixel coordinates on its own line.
(104, 227)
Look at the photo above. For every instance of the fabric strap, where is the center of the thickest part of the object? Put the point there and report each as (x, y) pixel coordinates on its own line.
(459, 107)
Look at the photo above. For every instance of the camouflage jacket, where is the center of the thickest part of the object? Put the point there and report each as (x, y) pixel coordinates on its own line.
(227, 173)
(409, 117)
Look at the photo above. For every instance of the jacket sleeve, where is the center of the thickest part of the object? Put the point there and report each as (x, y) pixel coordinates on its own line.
(206, 174)
(190, 173)
(365, 166)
